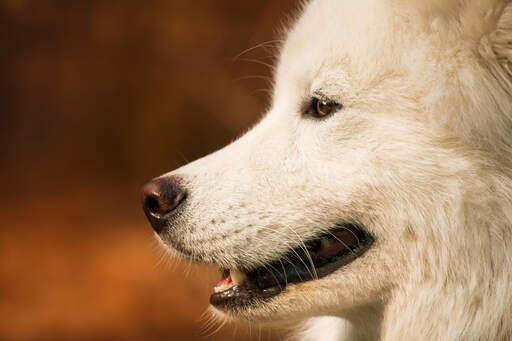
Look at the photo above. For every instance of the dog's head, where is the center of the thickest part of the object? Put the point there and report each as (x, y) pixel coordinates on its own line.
(325, 205)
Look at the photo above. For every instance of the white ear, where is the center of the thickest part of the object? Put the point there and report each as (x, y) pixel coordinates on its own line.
(496, 48)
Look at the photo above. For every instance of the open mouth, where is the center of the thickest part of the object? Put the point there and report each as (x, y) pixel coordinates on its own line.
(314, 259)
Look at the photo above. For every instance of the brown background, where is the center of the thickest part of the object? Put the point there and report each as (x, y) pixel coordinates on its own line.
(96, 98)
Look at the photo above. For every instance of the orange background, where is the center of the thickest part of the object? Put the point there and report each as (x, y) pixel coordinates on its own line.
(96, 98)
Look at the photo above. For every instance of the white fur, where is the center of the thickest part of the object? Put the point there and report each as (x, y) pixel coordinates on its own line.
(326, 328)
(420, 155)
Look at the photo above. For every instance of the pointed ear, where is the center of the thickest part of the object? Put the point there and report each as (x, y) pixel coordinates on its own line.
(496, 49)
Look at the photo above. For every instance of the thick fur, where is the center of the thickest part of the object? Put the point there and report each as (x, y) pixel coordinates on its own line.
(420, 154)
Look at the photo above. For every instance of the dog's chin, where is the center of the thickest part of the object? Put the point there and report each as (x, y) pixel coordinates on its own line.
(285, 308)
(253, 293)
(289, 306)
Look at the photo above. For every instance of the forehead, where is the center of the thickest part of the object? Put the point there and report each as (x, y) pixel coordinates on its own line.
(343, 41)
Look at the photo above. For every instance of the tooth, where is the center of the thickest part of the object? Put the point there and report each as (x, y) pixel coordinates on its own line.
(237, 276)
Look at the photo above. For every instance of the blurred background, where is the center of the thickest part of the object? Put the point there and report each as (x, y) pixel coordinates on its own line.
(96, 98)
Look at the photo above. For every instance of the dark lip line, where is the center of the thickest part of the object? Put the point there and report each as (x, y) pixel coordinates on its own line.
(246, 294)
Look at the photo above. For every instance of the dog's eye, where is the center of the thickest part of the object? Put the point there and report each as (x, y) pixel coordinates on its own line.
(320, 107)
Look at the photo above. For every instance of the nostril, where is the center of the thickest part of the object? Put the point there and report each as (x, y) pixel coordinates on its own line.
(154, 206)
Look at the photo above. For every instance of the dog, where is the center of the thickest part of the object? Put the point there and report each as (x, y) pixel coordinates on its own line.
(373, 201)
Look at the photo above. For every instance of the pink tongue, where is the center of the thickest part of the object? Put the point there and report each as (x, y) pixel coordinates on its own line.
(225, 281)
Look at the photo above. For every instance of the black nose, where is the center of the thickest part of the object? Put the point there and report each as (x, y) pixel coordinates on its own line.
(160, 199)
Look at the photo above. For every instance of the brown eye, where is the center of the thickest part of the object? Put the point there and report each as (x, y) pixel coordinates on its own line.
(320, 107)
(324, 108)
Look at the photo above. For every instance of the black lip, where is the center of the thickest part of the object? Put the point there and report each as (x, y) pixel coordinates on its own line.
(270, 280)
(242, 295)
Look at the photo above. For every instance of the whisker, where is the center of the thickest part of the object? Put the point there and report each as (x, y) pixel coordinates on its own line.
(265, 43)
(267, 91)
(252, 77)
(284, 273)
(272, 273)
(257, 61)
(303, 246)
(286, 259)
(221, 325)
(306, 251)
(166, 257)
(342, 242)
(355, 235)
(209, 321)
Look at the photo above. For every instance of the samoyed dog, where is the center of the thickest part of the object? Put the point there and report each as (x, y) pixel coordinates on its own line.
(374, 199)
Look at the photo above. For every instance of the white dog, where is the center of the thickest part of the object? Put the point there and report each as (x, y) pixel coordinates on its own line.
(374, 200)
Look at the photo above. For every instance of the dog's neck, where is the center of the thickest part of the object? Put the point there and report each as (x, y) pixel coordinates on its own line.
(447, 312)
(457, 281)
(478, 309)
(458, 285)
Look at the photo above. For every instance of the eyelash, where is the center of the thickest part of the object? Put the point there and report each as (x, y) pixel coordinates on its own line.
(320, 108)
